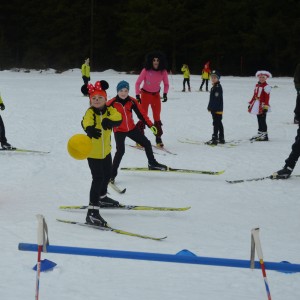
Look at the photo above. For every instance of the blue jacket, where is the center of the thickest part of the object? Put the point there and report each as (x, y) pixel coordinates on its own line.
(215, 104)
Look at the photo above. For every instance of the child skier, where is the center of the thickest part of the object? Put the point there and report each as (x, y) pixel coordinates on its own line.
(4, 144)
(215, 106)
(259, 105)
(125, 105)
(85, 72)
(97, 123)
(205, 76)
(186, 76)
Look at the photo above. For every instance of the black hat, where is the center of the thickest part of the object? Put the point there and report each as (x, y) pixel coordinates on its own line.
(215, 73)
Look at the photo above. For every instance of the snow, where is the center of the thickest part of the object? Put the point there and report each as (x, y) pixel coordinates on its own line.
(44, 109)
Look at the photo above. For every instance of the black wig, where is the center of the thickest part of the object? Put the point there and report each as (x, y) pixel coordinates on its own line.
(162, 60)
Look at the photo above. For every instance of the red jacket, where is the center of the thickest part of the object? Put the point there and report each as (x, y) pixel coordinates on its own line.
(125, 107)
(262, 94)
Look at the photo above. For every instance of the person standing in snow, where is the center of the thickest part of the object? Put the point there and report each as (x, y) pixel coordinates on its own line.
(186, 77)
(205, 76)
(4, 144)
(125, 105)
(215, 106)
(154, 72)
(291, 161)
(85, 72)
(259, 104)
(97, 123)
(297, 87)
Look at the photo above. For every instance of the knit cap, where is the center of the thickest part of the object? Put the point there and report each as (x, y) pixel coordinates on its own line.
(122, 85)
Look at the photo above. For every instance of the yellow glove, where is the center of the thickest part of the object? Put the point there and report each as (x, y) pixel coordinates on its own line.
(154, 130)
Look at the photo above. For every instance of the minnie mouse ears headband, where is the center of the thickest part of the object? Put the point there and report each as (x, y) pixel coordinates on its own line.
(264, 73)
(98, 89)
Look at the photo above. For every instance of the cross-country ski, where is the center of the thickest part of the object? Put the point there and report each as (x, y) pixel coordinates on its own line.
(257, 179)
(169, 169)
(108, 228)
(19, 150)
(126, 207)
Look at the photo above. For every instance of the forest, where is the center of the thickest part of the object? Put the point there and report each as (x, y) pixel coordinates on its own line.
(237, 37)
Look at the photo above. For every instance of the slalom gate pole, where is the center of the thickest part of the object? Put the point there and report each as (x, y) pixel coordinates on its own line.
(183, 256)
(255, 236)
(40, 249)
(42, 238)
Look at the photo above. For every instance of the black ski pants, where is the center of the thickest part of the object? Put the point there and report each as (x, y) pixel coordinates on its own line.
(262, 123)
(294, 155)
(136, 136)
(100, 169)
(218, 126)
(2, 132)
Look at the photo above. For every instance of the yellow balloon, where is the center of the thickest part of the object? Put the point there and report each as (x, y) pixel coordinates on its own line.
(79, 146)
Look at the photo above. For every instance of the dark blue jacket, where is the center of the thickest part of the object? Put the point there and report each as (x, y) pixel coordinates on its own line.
(216, 98)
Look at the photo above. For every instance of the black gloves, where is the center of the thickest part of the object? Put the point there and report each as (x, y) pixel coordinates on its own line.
(138, 98)
(93, 132)
(107, 124)
(165, 98)
(2, 106)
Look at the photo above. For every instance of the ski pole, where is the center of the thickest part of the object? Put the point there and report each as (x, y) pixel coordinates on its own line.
(255, 235)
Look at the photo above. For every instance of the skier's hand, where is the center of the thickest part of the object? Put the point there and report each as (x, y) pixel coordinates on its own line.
(154, 130)
(165, 98)
(106, 124)
(2, 106)
(138, 98)
(93, 132)
(265, 108)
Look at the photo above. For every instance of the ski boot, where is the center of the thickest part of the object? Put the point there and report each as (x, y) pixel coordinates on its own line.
(108, 202)
(157, 166)
(263, 137)
(221, 140)
(213, 141)
(159, 142)
(284, 173)
(6, 146)
(183, 90)
(259, 133)
(93, 217)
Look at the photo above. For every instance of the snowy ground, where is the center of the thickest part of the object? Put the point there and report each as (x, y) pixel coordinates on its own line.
(43, 110)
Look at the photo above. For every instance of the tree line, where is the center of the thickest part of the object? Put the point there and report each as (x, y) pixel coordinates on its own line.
(237, 37)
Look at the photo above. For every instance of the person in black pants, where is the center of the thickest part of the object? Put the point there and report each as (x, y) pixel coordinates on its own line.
(215, 106)
(98, 122)
(125, 105)
(297, 87)
(4, 144)
(291, 161)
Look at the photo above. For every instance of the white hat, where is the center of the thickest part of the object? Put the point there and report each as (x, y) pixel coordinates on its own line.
(265, 73)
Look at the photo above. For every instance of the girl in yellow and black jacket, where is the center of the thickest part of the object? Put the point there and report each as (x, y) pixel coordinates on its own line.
(186, 76)
(98, 122)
